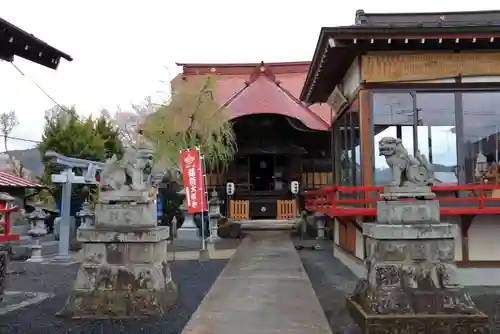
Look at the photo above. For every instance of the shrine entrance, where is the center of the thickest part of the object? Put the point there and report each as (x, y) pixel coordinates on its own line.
(262, 167)
(279, 140)
(265, 165)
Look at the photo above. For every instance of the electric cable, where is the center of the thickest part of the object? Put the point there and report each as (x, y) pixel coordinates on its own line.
(39, 87)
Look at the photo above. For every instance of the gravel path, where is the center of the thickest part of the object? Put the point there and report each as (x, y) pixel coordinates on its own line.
(193, 279)
(332, 281)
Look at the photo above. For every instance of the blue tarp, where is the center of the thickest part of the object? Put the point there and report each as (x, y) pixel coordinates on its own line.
(76, 205)
(159, 206)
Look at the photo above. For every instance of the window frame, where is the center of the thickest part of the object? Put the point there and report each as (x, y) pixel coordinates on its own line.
(459, 116)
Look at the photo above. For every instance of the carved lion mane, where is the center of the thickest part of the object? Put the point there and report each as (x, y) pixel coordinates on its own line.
(392, 148)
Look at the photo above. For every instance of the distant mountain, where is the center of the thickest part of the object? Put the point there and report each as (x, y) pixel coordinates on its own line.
(383, 175)
(31, 160)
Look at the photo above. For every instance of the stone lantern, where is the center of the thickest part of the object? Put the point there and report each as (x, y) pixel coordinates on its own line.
(38, 229)
(214, 214)
(86, 215)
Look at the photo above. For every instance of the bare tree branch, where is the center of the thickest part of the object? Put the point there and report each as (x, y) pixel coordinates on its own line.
(8, 122)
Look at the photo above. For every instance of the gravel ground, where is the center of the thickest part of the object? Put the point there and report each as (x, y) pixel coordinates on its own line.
(332, 281)
(193, 279)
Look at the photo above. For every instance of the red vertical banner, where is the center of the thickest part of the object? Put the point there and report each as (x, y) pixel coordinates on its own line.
(194, 185)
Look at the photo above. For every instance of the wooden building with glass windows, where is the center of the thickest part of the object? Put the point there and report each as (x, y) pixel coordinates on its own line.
(432, 80)
(279, 139)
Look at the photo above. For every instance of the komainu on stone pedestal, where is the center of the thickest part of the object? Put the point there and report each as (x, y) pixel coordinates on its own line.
(411, 284)
(124, 273)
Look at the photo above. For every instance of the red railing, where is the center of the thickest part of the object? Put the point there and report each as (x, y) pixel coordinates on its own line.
(7, 235)
(360, 201)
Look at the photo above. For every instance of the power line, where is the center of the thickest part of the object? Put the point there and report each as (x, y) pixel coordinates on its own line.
(39, 87)
(22, 139)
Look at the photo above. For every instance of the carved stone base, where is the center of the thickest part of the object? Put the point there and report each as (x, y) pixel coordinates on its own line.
(408, 212)
(106, 304)
(413, 191)
(417, 323)
(123, 275)
(411, 284)
(119, 214)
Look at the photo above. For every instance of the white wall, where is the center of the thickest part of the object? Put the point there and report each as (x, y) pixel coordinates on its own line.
(490, 78)
(360, 245)
(336, 237)
(484, 238)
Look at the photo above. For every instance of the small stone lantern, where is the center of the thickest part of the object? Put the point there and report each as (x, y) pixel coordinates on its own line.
(214, 214)
(86, 215)
(38, 229)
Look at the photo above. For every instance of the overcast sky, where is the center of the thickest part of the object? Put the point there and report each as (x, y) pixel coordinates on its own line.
(122, 49)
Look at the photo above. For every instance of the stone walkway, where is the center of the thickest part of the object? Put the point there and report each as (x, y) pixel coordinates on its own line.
(263, 289)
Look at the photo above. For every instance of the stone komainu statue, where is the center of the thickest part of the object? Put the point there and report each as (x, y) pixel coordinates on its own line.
(406, 170)
(125, 173)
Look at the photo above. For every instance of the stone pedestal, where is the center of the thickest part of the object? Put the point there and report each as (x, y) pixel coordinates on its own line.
(36, 252)
(411, 284)
(124, 273)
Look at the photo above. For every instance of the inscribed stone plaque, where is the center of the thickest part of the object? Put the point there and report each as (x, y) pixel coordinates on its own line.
(397, 212)
(125, 215)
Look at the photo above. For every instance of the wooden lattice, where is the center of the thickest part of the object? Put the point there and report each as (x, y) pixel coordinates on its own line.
(239, 209)
(287, 209)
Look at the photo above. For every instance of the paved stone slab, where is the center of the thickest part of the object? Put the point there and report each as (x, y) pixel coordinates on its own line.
(14, 300)
(263, 289)
(268, 224)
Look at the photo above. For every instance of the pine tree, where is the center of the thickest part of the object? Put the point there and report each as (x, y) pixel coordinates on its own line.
(69, 134)
(111, 136)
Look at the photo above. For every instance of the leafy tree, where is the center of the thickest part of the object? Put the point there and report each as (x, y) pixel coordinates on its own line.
(191, 118)
(110, 134)
(67, 133)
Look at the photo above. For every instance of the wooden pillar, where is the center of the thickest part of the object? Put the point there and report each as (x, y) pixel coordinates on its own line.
(366, 137)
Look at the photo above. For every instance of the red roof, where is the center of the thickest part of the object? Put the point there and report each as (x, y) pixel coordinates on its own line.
(10, 180)
(246, 89)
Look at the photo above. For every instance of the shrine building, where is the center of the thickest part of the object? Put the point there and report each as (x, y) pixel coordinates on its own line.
(433, 81)
(279, 139)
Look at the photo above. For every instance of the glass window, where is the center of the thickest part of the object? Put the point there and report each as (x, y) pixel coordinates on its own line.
(481, 119)
(357, 147)
(392, 117)
(436, 133)
(348, 151)
(337, 149)
(345, 154)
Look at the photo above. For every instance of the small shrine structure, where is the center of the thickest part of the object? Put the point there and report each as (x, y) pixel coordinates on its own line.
(280, 140)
